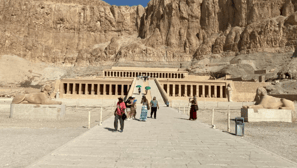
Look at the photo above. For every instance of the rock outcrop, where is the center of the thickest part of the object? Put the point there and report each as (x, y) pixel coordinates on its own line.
(92, 32)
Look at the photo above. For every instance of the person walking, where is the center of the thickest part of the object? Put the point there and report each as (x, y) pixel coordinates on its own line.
(128, 104)
(145, 106)
(139, 90)
(193, 110)
(133, 107)
(155, 106)
(119, 112)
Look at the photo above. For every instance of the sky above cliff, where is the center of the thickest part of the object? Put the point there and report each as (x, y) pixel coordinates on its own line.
(128, 2)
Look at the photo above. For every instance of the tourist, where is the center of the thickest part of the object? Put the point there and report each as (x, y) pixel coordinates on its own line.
(139, 90)
(154, 105)
(118, 115)
(128, 104)
(145, 106)
(133, 107)
(194, 109)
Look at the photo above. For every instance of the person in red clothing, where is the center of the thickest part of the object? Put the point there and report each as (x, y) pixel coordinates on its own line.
(193, 110)
(118, 114)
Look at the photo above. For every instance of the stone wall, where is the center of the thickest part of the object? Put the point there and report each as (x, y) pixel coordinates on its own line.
(245, 91)
(292, 97)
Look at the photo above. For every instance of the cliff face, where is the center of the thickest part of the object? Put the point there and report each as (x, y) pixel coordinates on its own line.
(91, 32)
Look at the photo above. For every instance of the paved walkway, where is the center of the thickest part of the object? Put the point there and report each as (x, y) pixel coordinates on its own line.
(168, 141)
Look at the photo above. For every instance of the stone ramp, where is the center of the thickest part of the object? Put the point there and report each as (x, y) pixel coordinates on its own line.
(168, 141)
(135, 91)
(155, 92)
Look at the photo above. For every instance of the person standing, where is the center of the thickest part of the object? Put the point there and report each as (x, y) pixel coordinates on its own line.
(155, 106)
(145, 106)
(139, 90)
(133, 107)
(118, 114)
(128, 104)
(193, 110)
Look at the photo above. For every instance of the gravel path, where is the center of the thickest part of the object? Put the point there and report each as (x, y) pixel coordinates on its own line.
(23, 141)
(277, 137)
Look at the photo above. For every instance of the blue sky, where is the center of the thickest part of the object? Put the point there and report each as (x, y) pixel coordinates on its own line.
(127, 2)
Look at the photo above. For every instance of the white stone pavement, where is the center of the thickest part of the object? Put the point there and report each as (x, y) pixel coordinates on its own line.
(168, 141)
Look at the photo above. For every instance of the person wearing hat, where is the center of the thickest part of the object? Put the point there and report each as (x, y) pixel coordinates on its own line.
(119, 113)
(133, 107)
(128, 107)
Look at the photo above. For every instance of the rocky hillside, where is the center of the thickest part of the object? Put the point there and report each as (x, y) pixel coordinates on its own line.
(206, 34)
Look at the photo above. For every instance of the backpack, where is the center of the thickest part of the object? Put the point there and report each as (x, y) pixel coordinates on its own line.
(128, 106)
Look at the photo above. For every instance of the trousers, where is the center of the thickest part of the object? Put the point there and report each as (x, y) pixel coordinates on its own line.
(116, 118)
(154, 111)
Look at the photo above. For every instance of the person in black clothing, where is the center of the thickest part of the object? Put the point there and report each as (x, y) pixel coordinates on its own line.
(128, 104)
(139, 90)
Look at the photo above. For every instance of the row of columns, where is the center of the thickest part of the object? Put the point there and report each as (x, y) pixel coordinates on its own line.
(197, 91)
(136, 74)
(77, 87)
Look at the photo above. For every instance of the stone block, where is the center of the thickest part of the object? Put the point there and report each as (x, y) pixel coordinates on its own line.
(37, 112)
(273, 115)
(260, 72)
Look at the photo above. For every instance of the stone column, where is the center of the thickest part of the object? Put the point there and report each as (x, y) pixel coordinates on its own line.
(79, 89)
(104, 89)
(179, 90)
(215, 91)
(122, 90)
(92, 89)
(221, 91)
(98, 89)
(74, 88)
(197, 90)
(209, 91)
(191, 94)
(203, 91)
(86, 89)
(173, 90)
(186, 90)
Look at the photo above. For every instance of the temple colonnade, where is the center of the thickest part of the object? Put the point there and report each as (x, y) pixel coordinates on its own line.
(200, 90)
(77, 88)
(132, 74)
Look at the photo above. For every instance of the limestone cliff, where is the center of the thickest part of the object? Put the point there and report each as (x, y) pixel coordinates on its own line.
(92, 32)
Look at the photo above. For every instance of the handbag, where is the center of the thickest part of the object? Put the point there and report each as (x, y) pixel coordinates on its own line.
(124, 116)
(196, 108)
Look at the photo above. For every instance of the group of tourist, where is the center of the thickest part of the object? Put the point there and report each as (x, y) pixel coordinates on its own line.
(144, 77)
(130, 107)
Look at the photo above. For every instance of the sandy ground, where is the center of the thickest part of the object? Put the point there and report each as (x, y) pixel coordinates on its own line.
(23, 141)
(277, 137)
